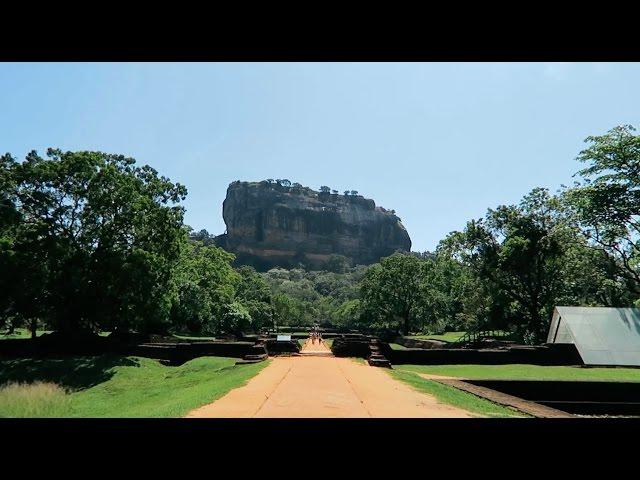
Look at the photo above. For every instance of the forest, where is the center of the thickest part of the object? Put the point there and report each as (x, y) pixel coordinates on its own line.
(93, 242)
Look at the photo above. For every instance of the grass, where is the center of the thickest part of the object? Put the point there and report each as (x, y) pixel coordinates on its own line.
(527, 372)
(454, 397)
(397, 346)
(39, 399)
(187, 337)
(114, 386)
(21, 333)
(455, 336)
(447, 336)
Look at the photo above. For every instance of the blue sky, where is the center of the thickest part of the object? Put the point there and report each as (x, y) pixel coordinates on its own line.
(437, 142)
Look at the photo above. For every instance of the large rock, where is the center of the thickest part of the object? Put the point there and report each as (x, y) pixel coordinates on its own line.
(271, 225)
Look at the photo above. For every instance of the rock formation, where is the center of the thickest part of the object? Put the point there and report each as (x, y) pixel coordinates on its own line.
(272, 224)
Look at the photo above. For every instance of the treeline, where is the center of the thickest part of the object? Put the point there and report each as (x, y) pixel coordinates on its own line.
(92, 242)
(508, 270)
(304, 297)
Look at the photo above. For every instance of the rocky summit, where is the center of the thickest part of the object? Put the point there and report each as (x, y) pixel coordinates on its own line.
(273, 224)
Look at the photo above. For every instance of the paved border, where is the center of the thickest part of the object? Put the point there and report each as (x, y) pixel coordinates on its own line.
(526, 406)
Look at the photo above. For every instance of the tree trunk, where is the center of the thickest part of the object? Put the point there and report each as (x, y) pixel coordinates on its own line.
(34, 329)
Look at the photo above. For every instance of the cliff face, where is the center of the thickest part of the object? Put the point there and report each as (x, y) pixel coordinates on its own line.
(270, 225)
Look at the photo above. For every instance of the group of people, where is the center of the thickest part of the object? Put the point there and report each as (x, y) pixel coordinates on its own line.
(316, 335)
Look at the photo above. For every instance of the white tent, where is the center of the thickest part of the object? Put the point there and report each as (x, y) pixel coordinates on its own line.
(602, 335)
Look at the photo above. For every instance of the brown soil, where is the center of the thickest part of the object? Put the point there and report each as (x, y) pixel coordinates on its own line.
(324, 386)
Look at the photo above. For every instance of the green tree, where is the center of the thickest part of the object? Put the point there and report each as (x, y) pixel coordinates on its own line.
(337, 264)
(9, 261)
(286, 310)
(347, 314)
(101, 236)
(235, 318)
(607, 201)
(254, 293)
(205, 286)
(447, 285)
(390, 292)
(520, 253)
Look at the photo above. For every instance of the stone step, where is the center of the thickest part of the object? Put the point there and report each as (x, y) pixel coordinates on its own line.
(261, 356)
(376, 362)
(245, 362)
(316, 354)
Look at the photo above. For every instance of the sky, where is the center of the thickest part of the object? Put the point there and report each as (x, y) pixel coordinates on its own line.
(439, 143)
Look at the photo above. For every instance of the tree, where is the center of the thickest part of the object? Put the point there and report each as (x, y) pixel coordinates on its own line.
(607, 202)
(390, 292)
(520, 252)
(205, 286)
(347, 314)
(9, 261)
(96, 243)
(203, 236)
(254, 293)
(337, 263)
(324, 189)
(285, 309)
(447, 285)
(346, 193)
(234, 318)
(354, 193)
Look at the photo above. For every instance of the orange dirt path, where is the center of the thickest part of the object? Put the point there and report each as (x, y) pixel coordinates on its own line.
(310, 347)
(325, 387)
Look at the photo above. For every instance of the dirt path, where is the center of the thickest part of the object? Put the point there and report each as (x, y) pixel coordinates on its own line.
(310, 347)
(324, 386)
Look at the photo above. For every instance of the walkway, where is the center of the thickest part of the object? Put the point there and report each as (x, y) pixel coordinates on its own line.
(323, 387)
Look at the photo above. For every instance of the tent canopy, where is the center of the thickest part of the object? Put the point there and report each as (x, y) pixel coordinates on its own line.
(602, 335)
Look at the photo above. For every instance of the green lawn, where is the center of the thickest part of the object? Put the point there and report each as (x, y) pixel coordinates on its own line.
(454, 397)
(187, 337)
(397, 346)
(526, 372)
(455, 336)
(116, 386)
(21, 333)
(447, 336)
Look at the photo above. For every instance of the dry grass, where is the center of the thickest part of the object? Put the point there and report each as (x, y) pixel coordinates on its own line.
(38, 399)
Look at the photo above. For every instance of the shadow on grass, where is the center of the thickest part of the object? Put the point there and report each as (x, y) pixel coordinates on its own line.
(74, 373)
